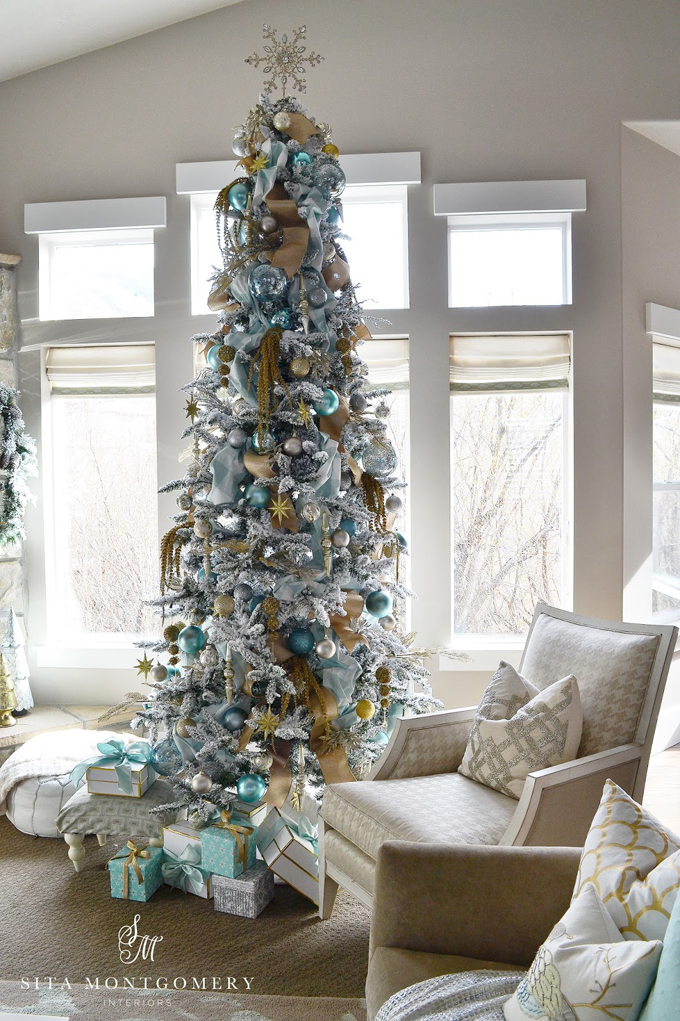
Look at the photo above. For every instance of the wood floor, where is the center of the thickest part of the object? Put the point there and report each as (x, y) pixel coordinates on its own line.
(662, 791)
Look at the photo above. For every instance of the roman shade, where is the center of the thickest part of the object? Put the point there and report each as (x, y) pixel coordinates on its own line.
(387, 360)
(509, 363)
(110, 369)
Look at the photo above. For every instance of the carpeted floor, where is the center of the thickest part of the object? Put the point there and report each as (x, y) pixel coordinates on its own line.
(58, 923)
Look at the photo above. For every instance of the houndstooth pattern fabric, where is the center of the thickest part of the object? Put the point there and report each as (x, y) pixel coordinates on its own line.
(446, 807)
(107, 813)
(350, 860)
(435, 749)
(613, 670)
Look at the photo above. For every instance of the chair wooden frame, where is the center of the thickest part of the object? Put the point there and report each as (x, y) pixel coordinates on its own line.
(548, 793)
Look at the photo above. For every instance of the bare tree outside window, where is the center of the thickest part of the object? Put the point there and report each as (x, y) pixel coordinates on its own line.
(507, 479)
(666, 580)
(106, 521)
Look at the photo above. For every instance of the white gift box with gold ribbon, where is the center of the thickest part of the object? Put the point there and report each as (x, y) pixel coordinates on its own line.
(103, 780)
(289, 856)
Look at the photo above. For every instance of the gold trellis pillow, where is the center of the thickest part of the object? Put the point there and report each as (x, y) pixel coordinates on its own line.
(518, 729)
(633, 861)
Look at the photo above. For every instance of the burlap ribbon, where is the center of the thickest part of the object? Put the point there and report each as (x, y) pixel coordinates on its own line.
(239, 833)
(333, 763)
(300, 128)
(354, 606)
(131, 855)
(280, 776)
(295, 232)
(259, 466)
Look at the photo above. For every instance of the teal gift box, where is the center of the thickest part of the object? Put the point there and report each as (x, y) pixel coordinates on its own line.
(228, 848)
(136, 872)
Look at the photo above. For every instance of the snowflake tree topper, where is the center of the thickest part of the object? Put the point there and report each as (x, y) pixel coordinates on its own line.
(285, 60)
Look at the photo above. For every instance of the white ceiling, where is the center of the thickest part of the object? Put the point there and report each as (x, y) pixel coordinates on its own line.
(37, 33)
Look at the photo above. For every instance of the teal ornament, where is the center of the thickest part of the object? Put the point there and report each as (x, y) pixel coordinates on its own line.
(251, 788)
(172, 672)
(264, 445)
(329, 179)
(234, 718)
(333, 215)
(328, 403)
(165, 758)
(268, 283)
(348, 525)
(255, 602)
(212, 358)
(191, 639)
(282, 318)
(201, 575)
(379, 603)
(379, 459)
(402, 540)
(242, 232)
(238, 196)
(301, 641)
(301, 159)
(257, 496)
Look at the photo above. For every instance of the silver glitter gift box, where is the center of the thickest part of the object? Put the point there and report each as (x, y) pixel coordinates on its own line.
(246, 895)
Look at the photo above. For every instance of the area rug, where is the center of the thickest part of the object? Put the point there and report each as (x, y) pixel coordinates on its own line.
(82, 1003)
(55, 922)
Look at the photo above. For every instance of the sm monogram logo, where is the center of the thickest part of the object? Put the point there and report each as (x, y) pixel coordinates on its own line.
(133, 946)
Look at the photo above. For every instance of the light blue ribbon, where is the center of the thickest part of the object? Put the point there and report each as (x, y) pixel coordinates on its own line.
(265, 180)
(182, 870)
(228, 472)
(115, 754)
(298, 823)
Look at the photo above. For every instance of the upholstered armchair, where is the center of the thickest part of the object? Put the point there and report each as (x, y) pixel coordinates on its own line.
(415, 792)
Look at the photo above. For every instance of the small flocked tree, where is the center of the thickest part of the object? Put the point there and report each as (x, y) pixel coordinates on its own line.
(286, 664)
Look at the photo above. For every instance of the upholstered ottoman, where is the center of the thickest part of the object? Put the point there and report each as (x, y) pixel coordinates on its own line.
(106, 814)
(34, 804)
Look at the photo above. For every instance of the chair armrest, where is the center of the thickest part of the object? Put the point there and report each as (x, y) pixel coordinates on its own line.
(558, 803)
(425, 745)
(490, 903)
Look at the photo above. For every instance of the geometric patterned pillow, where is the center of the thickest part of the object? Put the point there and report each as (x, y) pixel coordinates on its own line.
(518, 729)
(633, 862)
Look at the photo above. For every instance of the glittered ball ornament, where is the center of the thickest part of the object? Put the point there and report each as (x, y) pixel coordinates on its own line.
(325, 649)
(236, 437)
(301, 641)
(166, 758)
(281, 120)
(299, 367)
(282, 318)
(269, 224)
(365, 709)
(210, 657)
(379, 603)
(268, 283)
(393, 503)
(191, 639)
(158, 673)
(383, 410)
(238, 196)
(331, 150)
(329, 179)
(317, 297)
(251, 788)
(263, 445)
(183, 726)
(340, 538)
(389, 622)
(234, 718)
(184, 501)
(263, 760)
(257, 496)
(202, 528)
(201, 783)
(328, 404)
(301, 159)
(292, 446)
(311, 511)
(243, 591)
(223, 605)
(379, 459)
(358, 402)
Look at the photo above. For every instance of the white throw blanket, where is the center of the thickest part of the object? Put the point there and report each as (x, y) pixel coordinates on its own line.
(51, 755)
(467, 996)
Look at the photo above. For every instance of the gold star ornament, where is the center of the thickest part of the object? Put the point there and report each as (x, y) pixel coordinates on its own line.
(192, 408)
(303, 412)
(144, 665)
(279, 508)
(268, 723)
(284, 60)
(258, 163)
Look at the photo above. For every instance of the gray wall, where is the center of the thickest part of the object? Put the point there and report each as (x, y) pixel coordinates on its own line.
(486, 91)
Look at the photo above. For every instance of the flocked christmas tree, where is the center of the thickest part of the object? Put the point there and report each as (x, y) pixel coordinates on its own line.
(286, 665)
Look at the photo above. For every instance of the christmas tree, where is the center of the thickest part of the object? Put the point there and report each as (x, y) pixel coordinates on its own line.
(287, 667)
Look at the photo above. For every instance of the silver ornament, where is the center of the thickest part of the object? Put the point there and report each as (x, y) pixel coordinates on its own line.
(184, 501)
(329, 252)
(358, 402)
(292, 446)
(240, 145)
(210, 657)
(325, 649)
(340, 538)
(388, 622)
(393, 503)
(158, 673)
(237, 437)
(263, 760)
(269, 224)
(243, 591)
(202, 528)
(383, 410)
(201, 783)
(345, 480)
(379, 458)
(311, 511)
(281, 120)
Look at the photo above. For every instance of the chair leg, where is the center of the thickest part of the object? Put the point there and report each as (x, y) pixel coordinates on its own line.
(76, 851)
(101, 839)
(328, 889)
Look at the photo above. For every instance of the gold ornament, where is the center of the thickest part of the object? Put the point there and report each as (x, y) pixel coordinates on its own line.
(284, 60)
(326, 545)
(268, 723)
(331, 149)
(182, 726)
(223, 605)
(281, 120)
(173, 649)
(365, 709)
(383, 675)
(171, 633)
(225, 353)
(144, 665)
(267, 361)
(258, 163)
(8, 698)
(229, 676)
(192, 408)
(300, 367)
(223, 371)
(343, 345)
(279, 508)
(270, 607)
(303, 412)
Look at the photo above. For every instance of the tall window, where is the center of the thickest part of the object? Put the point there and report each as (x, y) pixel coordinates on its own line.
(206, 256)
(102, 488)
(97, 274)
(375, 221)
(666, 468)
(509, 479)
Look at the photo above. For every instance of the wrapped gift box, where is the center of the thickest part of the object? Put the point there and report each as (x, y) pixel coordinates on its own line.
(182, 841)
(126, 867)
(249, 815)
(290, 857)
(180, 835)
(228, 853)
(246, 895)
(103, 780)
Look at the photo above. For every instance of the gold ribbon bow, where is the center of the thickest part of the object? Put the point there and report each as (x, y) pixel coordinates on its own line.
(131, 861)
(238, 832)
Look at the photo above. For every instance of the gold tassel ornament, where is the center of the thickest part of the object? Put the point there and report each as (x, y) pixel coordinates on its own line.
(171, 548)
(374, 499)
(268, 374)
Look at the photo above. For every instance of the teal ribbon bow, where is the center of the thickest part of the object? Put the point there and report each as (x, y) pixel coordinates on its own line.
(182, 870)
(115, 754)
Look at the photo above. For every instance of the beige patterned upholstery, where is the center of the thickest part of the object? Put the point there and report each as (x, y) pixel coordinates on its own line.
(448, 807)
(432, 750)
(349, 859)
(105, 813)
(612, 669)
